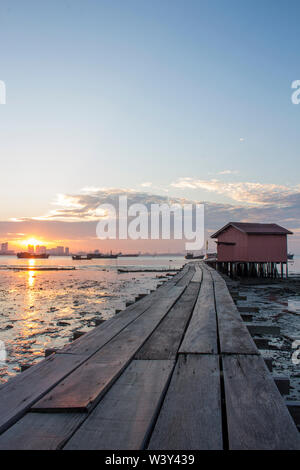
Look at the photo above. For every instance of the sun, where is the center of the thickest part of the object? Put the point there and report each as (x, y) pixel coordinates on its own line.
(31, 241)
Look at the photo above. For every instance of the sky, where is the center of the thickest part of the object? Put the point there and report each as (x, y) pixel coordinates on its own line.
(188, 99)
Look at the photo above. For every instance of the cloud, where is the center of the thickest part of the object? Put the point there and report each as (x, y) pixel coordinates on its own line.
(244, 192)
(76, 215)
(263, 201)
(228, 172)
(85, 205)
(147, 184)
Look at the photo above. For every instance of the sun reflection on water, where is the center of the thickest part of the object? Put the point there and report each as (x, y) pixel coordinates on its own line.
(28, 315)
(31, 273)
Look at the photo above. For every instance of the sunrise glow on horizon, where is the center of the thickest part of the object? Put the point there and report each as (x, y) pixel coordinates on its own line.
(33, 241)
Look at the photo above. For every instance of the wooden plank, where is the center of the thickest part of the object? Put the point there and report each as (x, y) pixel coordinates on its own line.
(187, 277)
(181, 273)
(201, 335)
(198, 274)
(190, 417)
(84, 388)
(256, 413)
(39, 431)
(93, 341)
(124, 417)
(19, 393)
(166, 338)
(234, 335)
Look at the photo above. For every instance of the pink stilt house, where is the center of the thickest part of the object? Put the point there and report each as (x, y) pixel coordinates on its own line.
(252, 247)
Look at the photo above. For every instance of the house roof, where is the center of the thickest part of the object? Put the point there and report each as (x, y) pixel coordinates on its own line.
(263, 229)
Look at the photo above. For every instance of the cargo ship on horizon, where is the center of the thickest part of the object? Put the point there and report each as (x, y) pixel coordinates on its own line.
(26, 255)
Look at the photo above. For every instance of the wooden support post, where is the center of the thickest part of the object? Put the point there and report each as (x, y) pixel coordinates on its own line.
(261, 343)
(261, 270)
(294, 409)
(269, 363)
(283, 385)
(50, 351)
(78, 334)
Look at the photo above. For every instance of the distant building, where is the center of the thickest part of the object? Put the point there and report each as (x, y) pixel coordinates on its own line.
(40, 250)
(30, 248)
(58, 251)
(67, 251)
(251, 248)
(4, 247)
(252, 243)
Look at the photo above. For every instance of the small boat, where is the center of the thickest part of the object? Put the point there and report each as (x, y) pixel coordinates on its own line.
(128, 255)
(290, 256)
(26, 255)
(81, 257)
(192, 256)
(102, 256)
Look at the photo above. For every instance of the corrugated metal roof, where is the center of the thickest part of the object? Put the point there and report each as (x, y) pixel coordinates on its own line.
(255, 228)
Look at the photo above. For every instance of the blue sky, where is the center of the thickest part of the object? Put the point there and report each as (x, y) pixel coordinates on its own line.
(114, 93)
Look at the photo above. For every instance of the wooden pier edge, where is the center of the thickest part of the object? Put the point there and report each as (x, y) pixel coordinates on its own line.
(177, 370)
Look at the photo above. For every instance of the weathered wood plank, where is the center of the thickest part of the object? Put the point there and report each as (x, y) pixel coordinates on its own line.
(233, 334)
(39, 431)
(188, 275)
(124, 417)
(84, 388)
(198, 274)
(181, 273)
(93, 341)
(201, 335)
(166, 338)
(256, 413)
(19, 393)
(190, 417)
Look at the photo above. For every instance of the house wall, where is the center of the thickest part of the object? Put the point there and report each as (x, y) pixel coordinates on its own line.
(232, 252)
(251, 248)
(267, 248)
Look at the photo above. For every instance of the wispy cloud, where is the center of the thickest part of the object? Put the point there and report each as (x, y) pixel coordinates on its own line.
(243, 192)
(85, 205)
(76, 215)
(228, 172)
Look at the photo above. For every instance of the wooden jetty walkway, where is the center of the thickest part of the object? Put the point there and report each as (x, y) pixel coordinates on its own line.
(177, 370)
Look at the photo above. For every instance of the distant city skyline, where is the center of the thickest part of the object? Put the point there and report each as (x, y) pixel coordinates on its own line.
(35, 247)
(66, 251)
